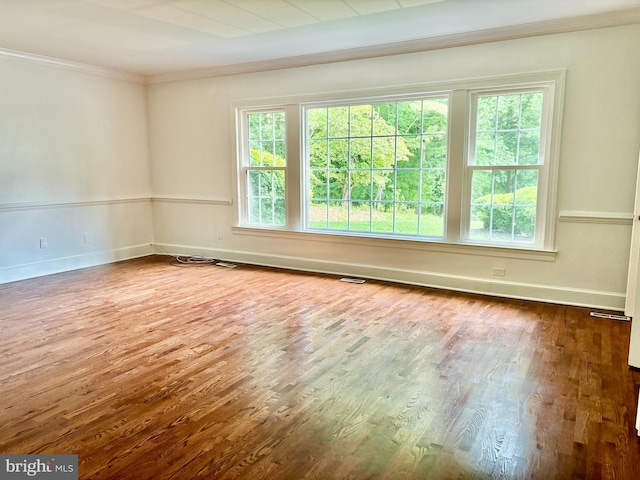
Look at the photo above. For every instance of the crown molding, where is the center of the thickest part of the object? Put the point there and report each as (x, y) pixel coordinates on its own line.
(69, 65)
(526, 30)
(567, 25)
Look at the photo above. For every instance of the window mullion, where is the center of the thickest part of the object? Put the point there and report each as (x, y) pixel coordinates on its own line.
(295, 137)
(457, 201)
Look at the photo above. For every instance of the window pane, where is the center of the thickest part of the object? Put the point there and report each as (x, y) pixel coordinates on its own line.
(280, 211)
(338, 122)
(360, 216)
(318, 214)
(382, 217)
(432, 220)
(529, 150)
(267, 150)
(486, 114)
(407, 218)
(361, 121)
(318, 186)
(480, 222)
(317, 119)
(254, 183)
(360, 151)
(414, 144)
(254, 210)
(481, 187)
(339, 187)
(279, 125)
(255, 149)
(485, 148)
(254, 127)
(527, 179)
(338, 153)
(410, 154)
(434, 151)
(435, 115)
(280, 150)
(407, 185)
(508, 112)
(278, 179)
(382, 185)
(506, 148)
(267, 126)
(361, 185)
(384, 151)
(501, 222)
(432, 188)
(503, 186)
(266, 211)
(338, 215)
(384, 113)
(384, 181)
(525, 224)
(318, 153)
(531, 110)
(410, 117)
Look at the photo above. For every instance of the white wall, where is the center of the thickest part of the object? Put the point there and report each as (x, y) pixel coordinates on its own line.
(74, 160)
(191, 139)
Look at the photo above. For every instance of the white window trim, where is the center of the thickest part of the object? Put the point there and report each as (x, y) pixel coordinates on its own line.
(544, 179)
(359, 101)
(458, 151)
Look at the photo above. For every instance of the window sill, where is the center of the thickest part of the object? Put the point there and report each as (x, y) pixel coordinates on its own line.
(429, 245)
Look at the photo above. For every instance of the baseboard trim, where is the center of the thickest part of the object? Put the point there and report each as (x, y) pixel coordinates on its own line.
(499, 288)
(74, 262)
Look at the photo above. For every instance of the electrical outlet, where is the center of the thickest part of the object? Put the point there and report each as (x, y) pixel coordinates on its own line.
(87, 238)
(498, 271)
(220, 235)
(43, 242)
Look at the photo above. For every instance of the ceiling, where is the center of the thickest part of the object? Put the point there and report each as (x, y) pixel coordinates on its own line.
(159, 37)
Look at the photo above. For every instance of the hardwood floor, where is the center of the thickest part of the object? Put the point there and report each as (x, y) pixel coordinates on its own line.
(148, 371)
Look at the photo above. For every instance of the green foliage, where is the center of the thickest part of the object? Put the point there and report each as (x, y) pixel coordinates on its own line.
(266, 159)
(379, 153)
(497, 212)
(508, 129)
(357, 140)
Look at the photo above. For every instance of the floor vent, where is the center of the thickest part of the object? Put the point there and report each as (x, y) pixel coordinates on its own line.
(624, 318)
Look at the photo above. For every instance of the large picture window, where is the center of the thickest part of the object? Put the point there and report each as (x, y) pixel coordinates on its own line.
(378, 167)
(472, 164)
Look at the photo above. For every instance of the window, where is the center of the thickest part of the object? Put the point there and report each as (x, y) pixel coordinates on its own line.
(505, 166)
(471, 164)
(378, 167)
(264, 168)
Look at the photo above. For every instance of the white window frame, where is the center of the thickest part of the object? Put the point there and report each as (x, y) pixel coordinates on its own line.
(543, 167)
(291, 168)
(367, 101)
(460, 138)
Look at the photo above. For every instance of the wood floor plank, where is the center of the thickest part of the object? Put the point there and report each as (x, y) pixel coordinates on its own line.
(148, 371)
